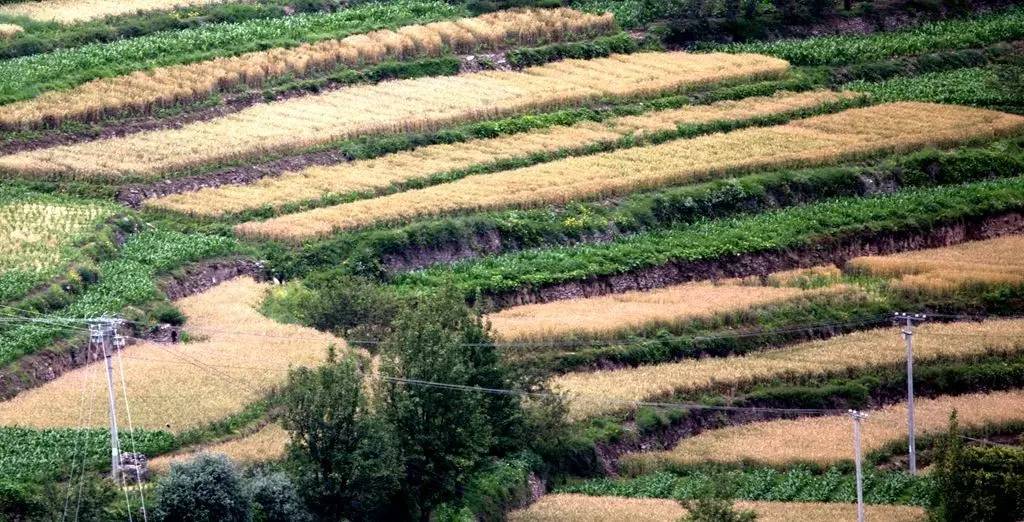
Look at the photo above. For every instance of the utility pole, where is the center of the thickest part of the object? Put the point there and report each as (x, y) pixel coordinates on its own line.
(857, 417)
(101, 332)
(908, 336)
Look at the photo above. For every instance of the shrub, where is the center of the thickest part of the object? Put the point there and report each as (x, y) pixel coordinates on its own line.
(168, 313)
(205, 489)
(275, 499)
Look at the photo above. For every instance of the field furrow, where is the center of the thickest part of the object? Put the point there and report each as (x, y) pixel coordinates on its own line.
(829, 439)
(380, 173)
(813, 141)
(145, 90)
(569, 507)
(606, 391)
(399, 106)
(238, 355)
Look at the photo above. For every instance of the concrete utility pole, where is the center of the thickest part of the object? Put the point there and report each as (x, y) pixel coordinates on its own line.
(102, 334)
(908, 336)
(857, 417)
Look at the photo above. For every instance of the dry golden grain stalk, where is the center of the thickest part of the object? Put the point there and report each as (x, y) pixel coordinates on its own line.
(267, 444)
(948, 269)
(143, 91)
(567, 507)
(241, 356)
(71, 11)
(8, 31)
(894, 127)
(411, 105)
(376, 174)
(826, 440)
(635, 310)
(599, 392)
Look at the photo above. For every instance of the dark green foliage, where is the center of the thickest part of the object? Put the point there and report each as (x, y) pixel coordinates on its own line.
(205, 489)
(766, 484)
(342, 303)
(977, 483)
(491, 492)
(444, 434)
(169, 314)
(443, 66)
(620, 43)
(275, 498)
(344, 457)
(715, 510)
(20, 502)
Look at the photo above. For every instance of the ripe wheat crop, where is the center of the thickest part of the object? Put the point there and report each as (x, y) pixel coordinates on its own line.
(379, 173)
(173, 387)
(947, 269)
(399, 106)
(595, 393)
(8, 31)
(895, 127)
(71, 11)
(633, 310)
(825, 440)
(265, 445)
(569, 507)
(145, 90)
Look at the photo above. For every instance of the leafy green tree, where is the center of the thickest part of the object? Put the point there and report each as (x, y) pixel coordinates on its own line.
(204, 489)
(349, 305)
(980, 484)
(344, 455)
(444, 431)
(275, 498)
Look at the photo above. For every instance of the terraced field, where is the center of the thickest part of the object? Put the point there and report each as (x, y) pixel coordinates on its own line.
(418, 259)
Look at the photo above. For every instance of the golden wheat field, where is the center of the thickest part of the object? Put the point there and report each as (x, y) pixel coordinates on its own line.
(71, 11)
(239, 356)
(379, 173)
(33, 236)
(605, 391)
(412, 105)
(8, 31)
(829, 439)
(614, 313)
(947, 269)
(569, 507)
(265, 445)
(894, 127)
(143, 91)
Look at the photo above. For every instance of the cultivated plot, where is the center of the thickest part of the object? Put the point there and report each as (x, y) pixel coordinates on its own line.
(606, 391)
(391, 107)
(70, 11)
(895, 127)
(826, 440)
(238, 355)
(379, 173)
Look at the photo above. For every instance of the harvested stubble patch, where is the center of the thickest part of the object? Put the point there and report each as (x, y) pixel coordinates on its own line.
(177, 387)
(608, 314)
(947, 269)
(71, 11)
(825, 440)
(8, 31)
(265, 445)
(143, 91)
(895, 127)
(34, 236)
(595, 393)
(391, 107)
(380, 173)
(568, 507)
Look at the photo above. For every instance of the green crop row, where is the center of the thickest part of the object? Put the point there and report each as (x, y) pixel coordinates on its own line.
(127, 280)
(981, 86)
(28, 76)
(620, 43)
(795, 485)
(41, 37)
(29, 455)
(708, 240)
(1003, 26)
